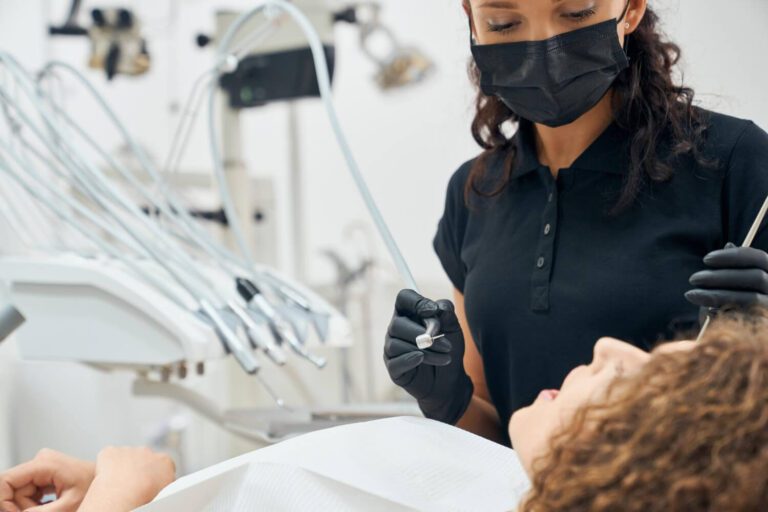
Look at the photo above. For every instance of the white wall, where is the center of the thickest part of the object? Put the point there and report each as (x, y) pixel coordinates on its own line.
(723, 52)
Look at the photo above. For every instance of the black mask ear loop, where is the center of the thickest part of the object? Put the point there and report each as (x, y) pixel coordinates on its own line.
(621, 18)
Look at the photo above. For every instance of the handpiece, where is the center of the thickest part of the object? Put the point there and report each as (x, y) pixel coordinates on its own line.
(426, 340)
(252, 330)
(247, 361)
(252, 295)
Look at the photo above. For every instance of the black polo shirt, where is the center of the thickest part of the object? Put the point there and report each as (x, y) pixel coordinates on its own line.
(546, 270)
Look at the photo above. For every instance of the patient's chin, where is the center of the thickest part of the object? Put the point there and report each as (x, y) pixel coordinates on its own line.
(520, 425)
(529, 429)
(527, 418)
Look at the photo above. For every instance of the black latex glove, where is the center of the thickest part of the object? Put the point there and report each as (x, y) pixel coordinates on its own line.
(737, 276)
(434, 377)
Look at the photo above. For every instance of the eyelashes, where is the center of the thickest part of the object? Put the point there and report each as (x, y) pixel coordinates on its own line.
(580, 15)
(574, 17)
(502, 27)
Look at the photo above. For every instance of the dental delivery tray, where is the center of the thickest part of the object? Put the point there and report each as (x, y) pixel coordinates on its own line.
(97, 311)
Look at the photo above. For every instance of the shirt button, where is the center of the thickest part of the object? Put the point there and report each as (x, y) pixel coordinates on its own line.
(547, 229)
(540, 262)
(551, 197)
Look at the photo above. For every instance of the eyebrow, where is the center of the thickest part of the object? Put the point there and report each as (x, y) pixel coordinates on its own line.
(500, 4)
(507, 3)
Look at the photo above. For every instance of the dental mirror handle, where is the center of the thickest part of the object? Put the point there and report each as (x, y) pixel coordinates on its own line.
(751, 234)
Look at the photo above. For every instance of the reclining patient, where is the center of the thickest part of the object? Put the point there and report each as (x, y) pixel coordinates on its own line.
(684, 428)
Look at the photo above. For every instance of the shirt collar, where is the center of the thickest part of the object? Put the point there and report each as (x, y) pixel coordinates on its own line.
(609, 153)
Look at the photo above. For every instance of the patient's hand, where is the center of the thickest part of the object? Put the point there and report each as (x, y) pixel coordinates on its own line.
(49, 472)
(127, 478)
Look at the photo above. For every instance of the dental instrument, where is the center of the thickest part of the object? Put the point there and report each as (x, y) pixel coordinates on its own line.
(751, 234)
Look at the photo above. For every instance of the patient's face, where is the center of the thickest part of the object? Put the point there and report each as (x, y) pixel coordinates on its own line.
(531, 428)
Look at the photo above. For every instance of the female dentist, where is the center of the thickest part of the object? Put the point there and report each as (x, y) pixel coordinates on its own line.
(599, 190)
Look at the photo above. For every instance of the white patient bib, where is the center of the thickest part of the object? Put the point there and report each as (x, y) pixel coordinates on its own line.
(392, 465)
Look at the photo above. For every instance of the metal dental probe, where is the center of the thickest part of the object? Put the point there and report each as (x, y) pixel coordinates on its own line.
(747, 243)
(271, 392)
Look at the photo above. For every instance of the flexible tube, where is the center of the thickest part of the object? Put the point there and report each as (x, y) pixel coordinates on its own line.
(324, 82)
(110, 200)
(67, 159)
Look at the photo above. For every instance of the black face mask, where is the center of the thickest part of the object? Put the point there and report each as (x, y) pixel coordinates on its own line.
(556, 81)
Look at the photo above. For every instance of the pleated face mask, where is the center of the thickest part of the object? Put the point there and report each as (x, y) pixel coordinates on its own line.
(555, 81)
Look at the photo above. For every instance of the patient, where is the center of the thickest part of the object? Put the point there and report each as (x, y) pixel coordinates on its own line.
(684, 428)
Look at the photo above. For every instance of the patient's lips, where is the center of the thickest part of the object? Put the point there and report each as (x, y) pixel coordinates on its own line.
(549, 394)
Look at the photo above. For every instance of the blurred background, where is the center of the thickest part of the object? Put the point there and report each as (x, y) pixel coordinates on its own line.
(315, 228)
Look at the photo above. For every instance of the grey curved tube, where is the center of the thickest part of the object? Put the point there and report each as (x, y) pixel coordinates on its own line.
(324, 82)
(10, 320)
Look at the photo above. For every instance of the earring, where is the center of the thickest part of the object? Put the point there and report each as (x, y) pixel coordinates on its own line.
(626, 25)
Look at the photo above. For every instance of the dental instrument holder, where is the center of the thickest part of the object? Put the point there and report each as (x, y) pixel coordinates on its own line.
(253, 296)
(10, 320)
(747, 243)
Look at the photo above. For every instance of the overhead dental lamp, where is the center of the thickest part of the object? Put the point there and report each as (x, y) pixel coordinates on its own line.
(398, 65)
(117, 44)
(281, 67)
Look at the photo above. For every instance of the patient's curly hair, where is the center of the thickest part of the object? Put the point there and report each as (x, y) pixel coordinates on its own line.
(689, 433)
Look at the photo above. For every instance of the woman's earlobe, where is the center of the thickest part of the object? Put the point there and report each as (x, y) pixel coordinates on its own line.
(635, 16)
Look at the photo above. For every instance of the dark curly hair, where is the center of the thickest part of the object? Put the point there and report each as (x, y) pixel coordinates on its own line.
(688, 433)
(646, 102)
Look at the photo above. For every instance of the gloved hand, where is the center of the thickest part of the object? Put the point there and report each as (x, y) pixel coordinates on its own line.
(738, 276)
(434, 377)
